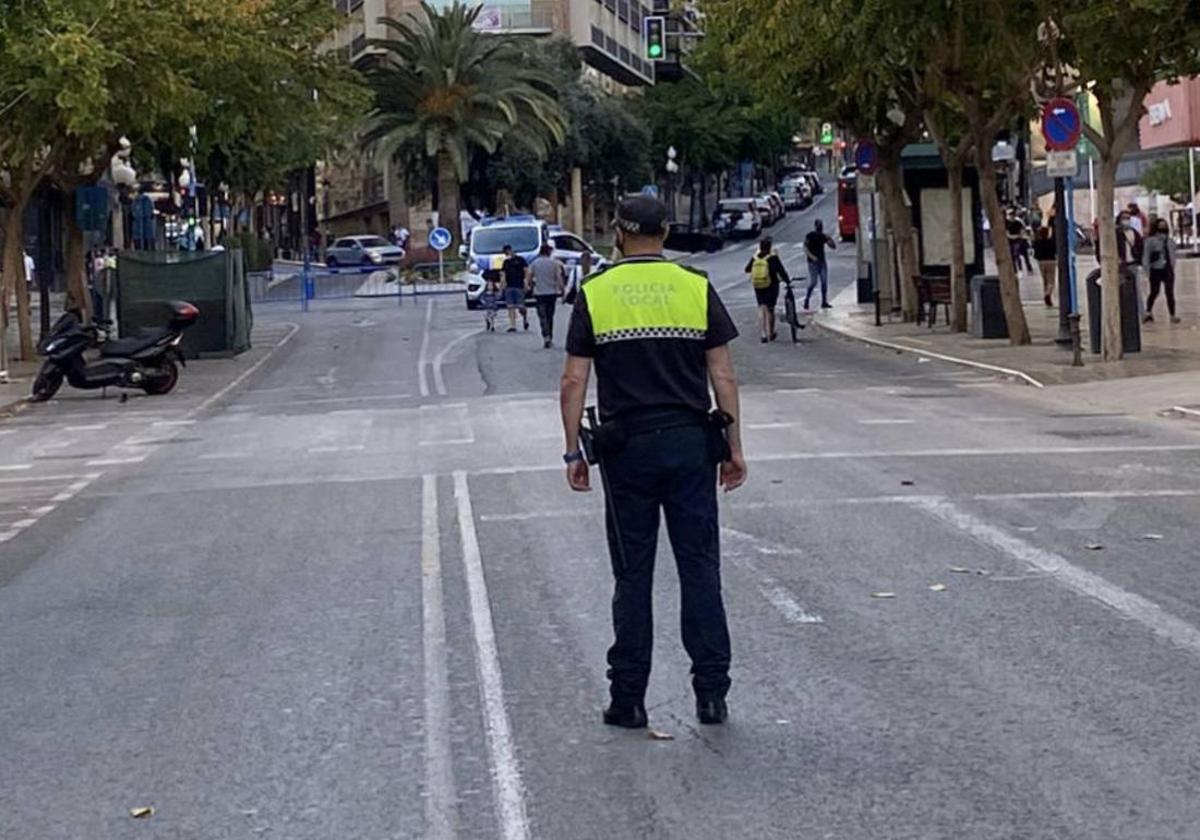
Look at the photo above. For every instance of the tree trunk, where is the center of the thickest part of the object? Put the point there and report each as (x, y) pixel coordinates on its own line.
(1010, 285)
(15, 282)
(900, 222)
(75, 263)
(958, 251)
(703, 199)
(1111, 345)
(448, 194)
(555, 210)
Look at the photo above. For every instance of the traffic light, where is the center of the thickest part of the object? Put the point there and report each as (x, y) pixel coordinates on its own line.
(656, 37)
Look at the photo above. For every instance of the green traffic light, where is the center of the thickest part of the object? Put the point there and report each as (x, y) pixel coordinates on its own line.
(655, 50)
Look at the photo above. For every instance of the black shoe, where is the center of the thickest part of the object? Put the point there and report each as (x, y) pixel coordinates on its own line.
(511, 329)
(764, 339)
(627, 717)
(526, 324)
(774, 336)
(547, 344)
(712, 712)
(827, 306)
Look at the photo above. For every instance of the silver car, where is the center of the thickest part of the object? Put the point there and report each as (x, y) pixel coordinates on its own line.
(363, 250)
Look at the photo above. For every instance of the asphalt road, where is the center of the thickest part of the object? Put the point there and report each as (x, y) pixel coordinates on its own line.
(346, 594)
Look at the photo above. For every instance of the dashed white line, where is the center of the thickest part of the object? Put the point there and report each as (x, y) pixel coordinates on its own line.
(439, 769)
(506, 771)
(15, 467)
(94, 427)
(423, 356)
(321, 450)
(1129, 604)
(111, 462)
(797, 390)
(246, 374)
(887, 421)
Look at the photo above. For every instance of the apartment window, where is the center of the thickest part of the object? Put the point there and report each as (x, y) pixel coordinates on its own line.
(597, 36)
(610, 45)
(623, 10)
(611, 5)
(626, 58)
(358, 44)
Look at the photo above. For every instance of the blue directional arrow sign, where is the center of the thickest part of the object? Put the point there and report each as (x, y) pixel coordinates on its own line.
(439, 239)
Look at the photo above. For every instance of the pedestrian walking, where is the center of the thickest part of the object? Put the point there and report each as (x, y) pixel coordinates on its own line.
(1138, 220)
(400, 236)
(657, 333)
(818, 268)
(766, 275)
(489, 301)
(30, 269)
(515, 271)
(547, 281)
(1045, 251)
(1159, 261)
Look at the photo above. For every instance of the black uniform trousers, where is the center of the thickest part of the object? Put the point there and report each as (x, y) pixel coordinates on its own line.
(668, 470)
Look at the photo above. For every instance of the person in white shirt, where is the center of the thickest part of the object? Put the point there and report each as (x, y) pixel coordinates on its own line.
(29, 269)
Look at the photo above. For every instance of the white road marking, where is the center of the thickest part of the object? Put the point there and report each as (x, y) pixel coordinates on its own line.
(1129, 604)
(447, 442)
(246, 374)
(321, 450)
(438, 382)
(423, 356)
(94, 427)
(506, 772)
(222, 456)
(15, 467)
(797, 390)
(38, 479)
(36, 514)
(759, 426)
(886, 421)
(174, 423)
(110, 462)
(439, 770)
(906, 453)
(775, 593)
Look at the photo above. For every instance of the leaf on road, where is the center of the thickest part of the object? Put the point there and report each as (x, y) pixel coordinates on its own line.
(1094, 546)
(1152, 536)
(656, 735)
(141, 813)
(883, 594)
(938, 587)
(908, 482)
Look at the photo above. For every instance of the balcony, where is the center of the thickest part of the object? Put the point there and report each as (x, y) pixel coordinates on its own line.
(529, 19)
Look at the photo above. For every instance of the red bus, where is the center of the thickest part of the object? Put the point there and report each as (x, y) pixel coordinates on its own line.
(847, 206)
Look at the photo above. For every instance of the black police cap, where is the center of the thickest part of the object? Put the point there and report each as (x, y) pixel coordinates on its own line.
(642, 215)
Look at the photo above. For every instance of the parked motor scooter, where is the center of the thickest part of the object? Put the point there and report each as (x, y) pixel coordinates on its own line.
(147, 360)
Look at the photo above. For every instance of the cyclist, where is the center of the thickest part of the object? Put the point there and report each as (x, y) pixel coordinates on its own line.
(766, 274)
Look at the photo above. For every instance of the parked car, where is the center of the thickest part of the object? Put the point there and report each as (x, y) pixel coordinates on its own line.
(363, 250)
(766, 209)
(680, 237)
(778, 202)
(797, 193)
(813, 180)
(738, 217)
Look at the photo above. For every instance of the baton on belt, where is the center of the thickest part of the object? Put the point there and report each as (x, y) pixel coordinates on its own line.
(592, 450)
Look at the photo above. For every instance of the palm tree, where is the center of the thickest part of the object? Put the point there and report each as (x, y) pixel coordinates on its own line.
(443, 89)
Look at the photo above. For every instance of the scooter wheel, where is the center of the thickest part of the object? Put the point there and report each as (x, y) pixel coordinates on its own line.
(49, 380)
(163, 380)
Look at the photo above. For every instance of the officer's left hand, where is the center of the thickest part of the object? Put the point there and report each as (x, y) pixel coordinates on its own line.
(578, 477)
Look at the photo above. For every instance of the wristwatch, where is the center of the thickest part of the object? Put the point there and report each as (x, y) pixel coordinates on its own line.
(572, 457)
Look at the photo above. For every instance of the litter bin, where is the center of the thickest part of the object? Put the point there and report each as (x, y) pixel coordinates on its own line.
(987, 309)
(1131, 327)
(866, 290)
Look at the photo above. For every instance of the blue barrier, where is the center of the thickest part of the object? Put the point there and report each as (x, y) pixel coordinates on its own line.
(304, 285)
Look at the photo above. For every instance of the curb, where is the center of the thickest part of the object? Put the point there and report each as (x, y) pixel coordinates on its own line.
(954, 360)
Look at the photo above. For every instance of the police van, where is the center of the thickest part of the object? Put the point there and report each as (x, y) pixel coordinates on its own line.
(526, 234)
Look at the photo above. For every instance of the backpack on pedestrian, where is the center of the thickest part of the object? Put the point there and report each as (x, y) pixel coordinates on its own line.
(760, 270)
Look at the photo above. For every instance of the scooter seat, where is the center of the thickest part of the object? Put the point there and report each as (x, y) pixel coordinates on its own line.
(134, 344)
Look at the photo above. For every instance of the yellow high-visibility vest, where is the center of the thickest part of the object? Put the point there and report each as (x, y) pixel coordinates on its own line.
(651, 299)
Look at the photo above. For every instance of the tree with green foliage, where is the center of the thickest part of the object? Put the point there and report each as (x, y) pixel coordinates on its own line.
(80, 74)
(443, 90)
(1120, 50)
(1170, 177)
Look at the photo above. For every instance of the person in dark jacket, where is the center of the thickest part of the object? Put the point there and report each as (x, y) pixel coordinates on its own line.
(766, 273)
(1045, 251)
(1159, 262)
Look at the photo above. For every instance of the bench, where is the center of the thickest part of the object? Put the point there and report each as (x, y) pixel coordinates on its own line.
(932, 292)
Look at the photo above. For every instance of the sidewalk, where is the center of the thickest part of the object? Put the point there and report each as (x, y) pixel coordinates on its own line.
(1166, 348)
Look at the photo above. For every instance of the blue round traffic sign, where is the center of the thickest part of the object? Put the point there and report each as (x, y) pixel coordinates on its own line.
(866, 157)
(1061, 125)
(439, 239)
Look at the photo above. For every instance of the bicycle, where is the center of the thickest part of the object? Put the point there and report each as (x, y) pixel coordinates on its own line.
(790, 315)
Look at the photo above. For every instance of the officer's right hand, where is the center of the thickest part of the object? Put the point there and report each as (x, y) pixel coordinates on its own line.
(578, 477)
(733, 472)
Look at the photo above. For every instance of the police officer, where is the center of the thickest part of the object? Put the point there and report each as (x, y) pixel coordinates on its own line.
(658, 335)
